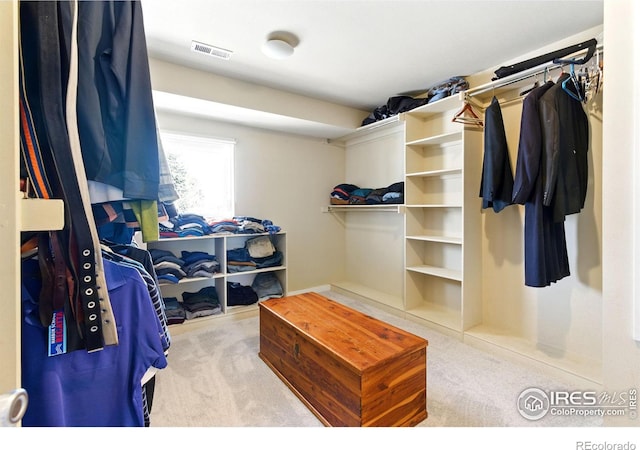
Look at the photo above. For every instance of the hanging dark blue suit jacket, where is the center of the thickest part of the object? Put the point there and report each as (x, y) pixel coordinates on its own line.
(497, 177)
(545, 249)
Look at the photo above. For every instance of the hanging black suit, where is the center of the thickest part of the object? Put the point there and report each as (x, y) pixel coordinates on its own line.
(545, 250)
(566, 142)
(497, 178)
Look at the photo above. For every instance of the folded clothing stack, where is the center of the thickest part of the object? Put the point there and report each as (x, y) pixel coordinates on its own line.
(174, 311)
(171, 268)
(199, 264)
(239, 294)
(168, 266)
(266, 285)
(350, 194)
(202, 303)
(342, 193)
(257, 253)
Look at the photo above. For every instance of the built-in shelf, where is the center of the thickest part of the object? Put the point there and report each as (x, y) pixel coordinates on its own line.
(437, 238)
(367, 293)
(39, 214)
(366, 130)
(435, 205)
(437, 173)
(448, 318)
(483, 335)
(436, 108)
(395, 208)
(441, 272)
(437, 140)
(191, 280)
(253, 272)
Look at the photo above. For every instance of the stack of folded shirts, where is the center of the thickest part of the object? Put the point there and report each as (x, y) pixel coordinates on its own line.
(202, 303)
(341, 194)
(359, 196)
(393, 193)
(168, 266)
(174, 311)
(199, 264)
(238, 294)
(257, 253)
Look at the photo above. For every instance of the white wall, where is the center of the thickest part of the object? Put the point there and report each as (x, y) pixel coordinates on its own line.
(621, 354)
(286, 179)
(374, 241)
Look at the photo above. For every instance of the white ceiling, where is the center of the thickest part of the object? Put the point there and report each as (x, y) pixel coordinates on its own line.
(359, 53)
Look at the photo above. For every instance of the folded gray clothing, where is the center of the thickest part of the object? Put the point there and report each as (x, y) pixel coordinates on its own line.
(167, 265)
(266, 285)
(260, 247)
(202, 303)
(252, 226)
(199, 306)
(202, 266)
(202, 313)
(201, 274)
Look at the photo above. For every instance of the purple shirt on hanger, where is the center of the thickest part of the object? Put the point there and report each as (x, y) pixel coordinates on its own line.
(98, 389)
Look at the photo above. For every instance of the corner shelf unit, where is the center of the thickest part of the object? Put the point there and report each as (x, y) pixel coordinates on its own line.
(442, 219)
(218, 245)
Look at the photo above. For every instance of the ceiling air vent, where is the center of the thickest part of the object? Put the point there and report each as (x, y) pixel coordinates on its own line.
(210, 50)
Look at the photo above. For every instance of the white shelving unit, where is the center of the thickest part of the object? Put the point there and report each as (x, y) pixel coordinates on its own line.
(442, 222)
(218, 245)
(450, 281)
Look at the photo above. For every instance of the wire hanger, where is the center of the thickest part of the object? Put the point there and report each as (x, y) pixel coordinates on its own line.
(467, 115)
(578, 94)
(535, 85)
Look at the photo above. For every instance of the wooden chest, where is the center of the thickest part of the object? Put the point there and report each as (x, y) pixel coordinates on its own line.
(348, 368)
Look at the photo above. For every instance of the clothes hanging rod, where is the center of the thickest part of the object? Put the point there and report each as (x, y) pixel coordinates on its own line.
(521, 76)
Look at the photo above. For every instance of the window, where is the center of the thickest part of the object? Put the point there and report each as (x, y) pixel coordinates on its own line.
(202, 169)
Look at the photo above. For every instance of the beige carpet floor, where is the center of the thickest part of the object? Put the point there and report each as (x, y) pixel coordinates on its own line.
(216, 379)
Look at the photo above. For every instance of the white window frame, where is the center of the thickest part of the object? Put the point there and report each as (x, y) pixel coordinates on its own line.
(200, 143)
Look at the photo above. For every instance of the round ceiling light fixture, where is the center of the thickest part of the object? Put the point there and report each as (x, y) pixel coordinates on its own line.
(280, 45)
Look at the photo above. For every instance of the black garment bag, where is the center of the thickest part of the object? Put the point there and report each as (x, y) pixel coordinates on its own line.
(554, 56)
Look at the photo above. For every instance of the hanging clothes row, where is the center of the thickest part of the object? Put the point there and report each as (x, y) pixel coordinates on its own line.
(94, 322)
(50, 160)
(551, 174)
